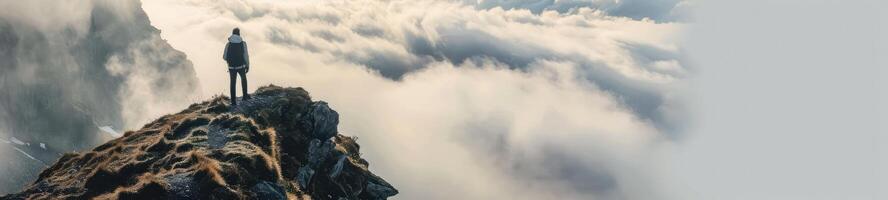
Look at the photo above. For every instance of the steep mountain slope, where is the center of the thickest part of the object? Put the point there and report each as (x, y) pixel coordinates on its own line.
(73, 66)
(278, 145)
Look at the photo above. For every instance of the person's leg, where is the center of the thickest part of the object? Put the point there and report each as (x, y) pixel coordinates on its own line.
(232, 74)
(243, 75)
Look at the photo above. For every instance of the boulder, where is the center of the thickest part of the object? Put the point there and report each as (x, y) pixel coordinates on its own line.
(321, 121)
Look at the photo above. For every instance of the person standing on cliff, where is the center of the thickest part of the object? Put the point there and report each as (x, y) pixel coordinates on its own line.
(238, 63)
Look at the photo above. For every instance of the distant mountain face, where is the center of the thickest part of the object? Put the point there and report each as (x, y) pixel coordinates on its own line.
(278, 145)
(67, 68)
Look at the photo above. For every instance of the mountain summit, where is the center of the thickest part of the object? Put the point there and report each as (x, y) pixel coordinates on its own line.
(278, 145)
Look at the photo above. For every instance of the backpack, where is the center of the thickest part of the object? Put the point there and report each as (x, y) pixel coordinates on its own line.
(235, 54)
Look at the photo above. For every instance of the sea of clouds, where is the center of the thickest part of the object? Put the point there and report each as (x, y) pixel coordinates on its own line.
(471, 99)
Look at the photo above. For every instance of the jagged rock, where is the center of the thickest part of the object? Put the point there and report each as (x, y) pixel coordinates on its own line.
(337, 168)
(304, 176)
(380, 191)
(321, 121)
(269, 191)
(258, 150)
(318, 152)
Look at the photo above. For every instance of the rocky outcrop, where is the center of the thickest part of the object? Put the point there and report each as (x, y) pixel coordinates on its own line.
(278, 145)
(321, 121)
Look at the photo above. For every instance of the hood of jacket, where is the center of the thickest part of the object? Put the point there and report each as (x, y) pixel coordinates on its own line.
(235, 39)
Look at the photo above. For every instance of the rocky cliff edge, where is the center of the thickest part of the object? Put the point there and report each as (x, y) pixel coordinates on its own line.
(278, 145)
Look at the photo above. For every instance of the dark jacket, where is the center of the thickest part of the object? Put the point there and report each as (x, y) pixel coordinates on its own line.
(236, 53)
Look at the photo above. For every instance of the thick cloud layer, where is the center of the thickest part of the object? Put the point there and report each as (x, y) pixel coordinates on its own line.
(660, 10)
(468, 100)
(69, 67)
